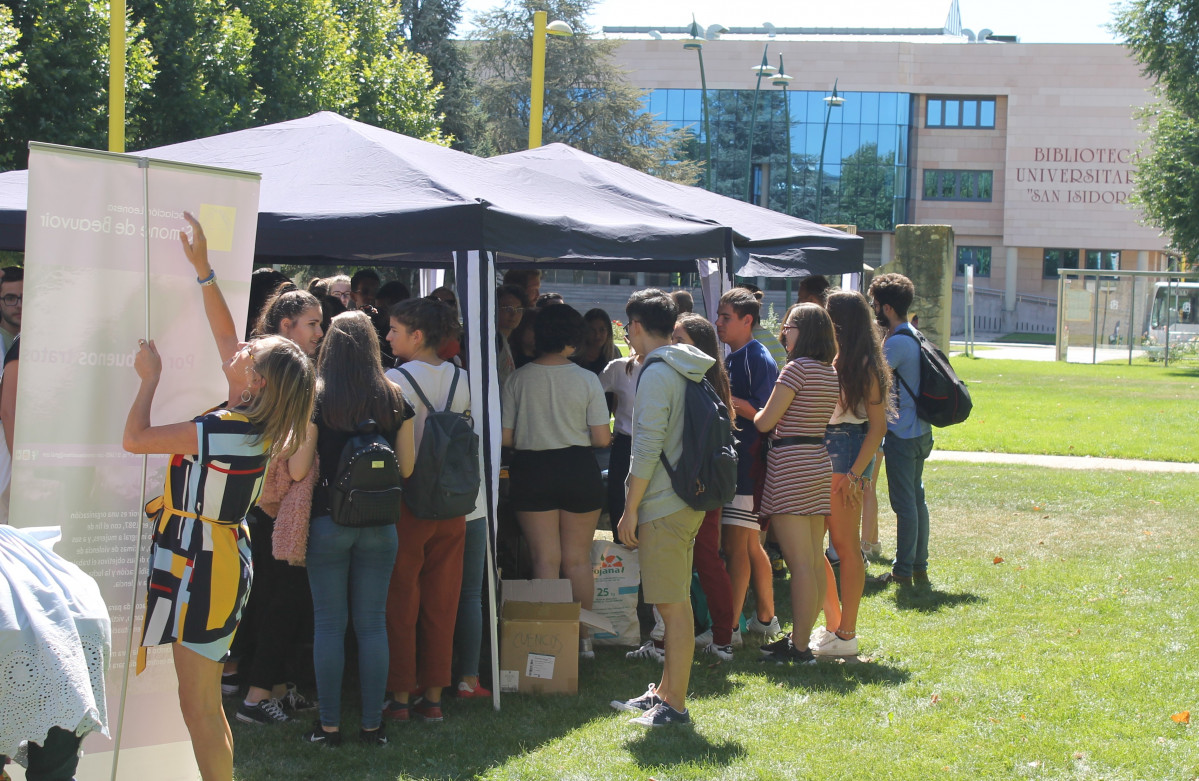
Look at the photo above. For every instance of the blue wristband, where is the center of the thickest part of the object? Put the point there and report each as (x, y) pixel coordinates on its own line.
(208, 280)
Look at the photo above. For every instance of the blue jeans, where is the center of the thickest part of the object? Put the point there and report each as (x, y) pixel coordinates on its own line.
(350, 567)
(905, 486)
(843, 442)
(468, 631)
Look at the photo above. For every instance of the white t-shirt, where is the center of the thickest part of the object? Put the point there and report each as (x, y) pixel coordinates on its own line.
(618, 379)
(552, 407)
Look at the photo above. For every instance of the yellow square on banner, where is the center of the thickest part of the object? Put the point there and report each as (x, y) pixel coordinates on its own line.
(218, 222)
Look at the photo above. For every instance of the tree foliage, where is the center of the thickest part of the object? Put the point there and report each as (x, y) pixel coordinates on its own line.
(428, 26)
(589, 103)
(196, 68)
(1164, 37)
(64, 96)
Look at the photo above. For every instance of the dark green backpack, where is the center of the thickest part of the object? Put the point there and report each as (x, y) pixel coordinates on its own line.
(445, 481)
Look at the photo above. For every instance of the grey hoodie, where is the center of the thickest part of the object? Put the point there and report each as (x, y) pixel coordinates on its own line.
(658, 423)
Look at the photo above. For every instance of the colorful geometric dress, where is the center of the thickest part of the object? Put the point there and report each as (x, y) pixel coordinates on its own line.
(200, 565)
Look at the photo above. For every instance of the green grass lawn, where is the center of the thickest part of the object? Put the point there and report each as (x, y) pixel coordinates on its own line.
(1140, 411)
(1065, 660)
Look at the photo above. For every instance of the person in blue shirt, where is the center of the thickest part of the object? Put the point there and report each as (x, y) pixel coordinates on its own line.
(909, 439)
(752, 373)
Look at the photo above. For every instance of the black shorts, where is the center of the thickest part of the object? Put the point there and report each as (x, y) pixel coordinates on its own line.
(566, 479)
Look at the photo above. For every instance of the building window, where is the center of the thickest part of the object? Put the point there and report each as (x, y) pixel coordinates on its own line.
(951, 185)
(1103, 259)
(960, 112)
(979, 257)
(1058, 258)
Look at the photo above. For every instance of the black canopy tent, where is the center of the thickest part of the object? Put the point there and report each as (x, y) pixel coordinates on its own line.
(764, 242)
(338, 190)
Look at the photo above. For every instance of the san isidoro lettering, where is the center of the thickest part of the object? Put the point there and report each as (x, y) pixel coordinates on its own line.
(1077, 175)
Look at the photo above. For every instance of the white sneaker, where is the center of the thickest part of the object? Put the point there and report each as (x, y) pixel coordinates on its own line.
(736, 642)
(769, 630)
(703, 638)
(723, 652)
(835, 646)
(648, 651)
(874, 549)
(819, 636)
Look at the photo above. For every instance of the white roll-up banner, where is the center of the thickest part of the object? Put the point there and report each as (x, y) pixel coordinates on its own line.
(103, 268)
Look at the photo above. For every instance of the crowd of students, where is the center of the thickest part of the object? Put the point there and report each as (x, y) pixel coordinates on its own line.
(248, 497)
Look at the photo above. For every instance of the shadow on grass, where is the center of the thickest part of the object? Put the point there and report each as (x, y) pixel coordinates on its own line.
(930, 600)
(837, 677)
(667, 748)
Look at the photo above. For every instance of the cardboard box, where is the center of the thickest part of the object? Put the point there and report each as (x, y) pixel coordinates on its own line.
(539, 636)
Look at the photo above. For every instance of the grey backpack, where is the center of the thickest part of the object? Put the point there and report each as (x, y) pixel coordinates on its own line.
(445, 481)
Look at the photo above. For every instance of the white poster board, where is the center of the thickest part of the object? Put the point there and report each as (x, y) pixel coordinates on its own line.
(103, 268)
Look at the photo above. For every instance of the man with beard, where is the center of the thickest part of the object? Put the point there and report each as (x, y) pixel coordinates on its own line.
(909, 438)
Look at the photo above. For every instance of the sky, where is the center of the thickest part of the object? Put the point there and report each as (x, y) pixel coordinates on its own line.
(1033, 21)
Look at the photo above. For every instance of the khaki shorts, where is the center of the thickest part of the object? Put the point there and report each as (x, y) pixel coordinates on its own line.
(666, 545)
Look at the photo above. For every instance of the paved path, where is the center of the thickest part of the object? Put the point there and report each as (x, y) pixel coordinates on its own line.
(1065, 462)
(1042, 352)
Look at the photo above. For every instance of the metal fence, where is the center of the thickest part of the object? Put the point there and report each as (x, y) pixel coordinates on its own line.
(1105, 315)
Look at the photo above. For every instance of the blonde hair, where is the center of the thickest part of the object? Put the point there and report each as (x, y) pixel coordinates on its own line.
(283, 408)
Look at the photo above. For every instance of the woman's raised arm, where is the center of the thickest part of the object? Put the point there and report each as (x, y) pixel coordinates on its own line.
(219, 318)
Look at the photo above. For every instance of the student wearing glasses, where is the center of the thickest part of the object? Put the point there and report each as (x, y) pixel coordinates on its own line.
(510, 308)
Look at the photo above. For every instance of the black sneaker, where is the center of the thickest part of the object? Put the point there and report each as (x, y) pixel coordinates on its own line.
(640, 704)
(264, 712)
(230, 684)
(320, 737)
(294, 702)
(662, 715)
(373, 737)
(789, 654)
(778, 646)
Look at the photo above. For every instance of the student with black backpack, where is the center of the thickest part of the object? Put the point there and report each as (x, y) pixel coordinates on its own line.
(364, 436)
(909, 438)
(422, 601)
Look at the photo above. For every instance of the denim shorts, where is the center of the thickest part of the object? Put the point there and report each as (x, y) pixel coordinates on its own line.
(843, 442)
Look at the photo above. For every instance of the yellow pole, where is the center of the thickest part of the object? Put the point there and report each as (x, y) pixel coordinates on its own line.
(116, 76)
(537, 88)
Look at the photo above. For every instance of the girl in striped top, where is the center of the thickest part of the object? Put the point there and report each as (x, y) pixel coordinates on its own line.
(798, 471)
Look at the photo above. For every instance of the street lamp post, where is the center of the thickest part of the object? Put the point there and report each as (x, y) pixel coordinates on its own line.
(832, 101)
(781, 79)
(697, 45)
(764, 69)
(537, 87)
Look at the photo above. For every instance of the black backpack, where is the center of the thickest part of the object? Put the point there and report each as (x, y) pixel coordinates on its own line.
(445, 481)
(706, 475)
(943, 399)
(366, 490)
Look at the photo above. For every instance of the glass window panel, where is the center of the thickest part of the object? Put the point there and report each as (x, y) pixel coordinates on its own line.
(948, 185)
(657, 102)
(966, 186)
(905, 107)
(815, 104)
(692, 107)
(934, 113)
(832, 149)
(887, 107)
(812, 133)
(1051, 262)
(987, 119)
(849, 139)
(869, 135)
(887, 140)
(969, 113)
(674, 104)
(984, 185)
(952, 109)
(930, 184)
(901, 154)
(851, 109)
(869, 107)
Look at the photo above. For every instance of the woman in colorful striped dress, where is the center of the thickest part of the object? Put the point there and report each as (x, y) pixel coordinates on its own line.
(798, 470)
(200, 568)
